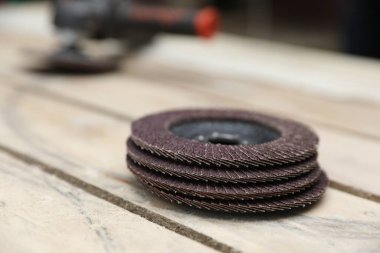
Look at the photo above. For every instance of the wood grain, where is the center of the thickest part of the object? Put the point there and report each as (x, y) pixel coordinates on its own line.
(91, 147)
(308, 84)
(129, 97)
(348, 125)
(77, 125)
(329, 73)
(40, 213)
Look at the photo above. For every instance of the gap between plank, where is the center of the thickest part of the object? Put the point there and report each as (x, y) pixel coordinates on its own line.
(123, 117)
(122, 203)
(354, 191)
(47, 94)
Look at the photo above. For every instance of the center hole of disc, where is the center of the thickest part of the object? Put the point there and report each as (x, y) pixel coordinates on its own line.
(225, 132)
(221, 138)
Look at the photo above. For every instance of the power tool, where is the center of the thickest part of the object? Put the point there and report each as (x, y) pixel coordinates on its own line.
(132, 23)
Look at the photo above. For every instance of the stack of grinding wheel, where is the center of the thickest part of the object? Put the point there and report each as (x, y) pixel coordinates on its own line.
(227, 160)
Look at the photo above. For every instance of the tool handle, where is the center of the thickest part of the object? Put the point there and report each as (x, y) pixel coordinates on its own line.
(204, 22)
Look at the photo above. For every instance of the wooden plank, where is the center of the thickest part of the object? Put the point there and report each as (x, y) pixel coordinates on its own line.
(324, 72)
(237, 66)
(89, 165)
(326, 115)
(163, 89)
(347, 85)
(91, 147)
(35, 19)
(348, 113)
(131, 97)
(232, 56)
(40, 213)
(332, 107)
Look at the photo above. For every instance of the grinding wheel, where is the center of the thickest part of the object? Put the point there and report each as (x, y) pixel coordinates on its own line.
(73, 60)
(227, 160)
(244, 138)
(225, 191)
(217, 173)
(296, 201)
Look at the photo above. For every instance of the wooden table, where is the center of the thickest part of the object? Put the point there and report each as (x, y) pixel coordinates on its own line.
(64, 184)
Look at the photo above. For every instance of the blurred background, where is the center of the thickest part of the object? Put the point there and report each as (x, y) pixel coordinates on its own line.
(349, 26)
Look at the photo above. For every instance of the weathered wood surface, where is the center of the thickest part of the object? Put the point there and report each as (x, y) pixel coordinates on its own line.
(130, 97)
(143, 87)
(78, 125)
(40, 213)
(91, 146)
(348, 117)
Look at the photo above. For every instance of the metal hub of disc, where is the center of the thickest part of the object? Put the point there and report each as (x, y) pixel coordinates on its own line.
(226, 132)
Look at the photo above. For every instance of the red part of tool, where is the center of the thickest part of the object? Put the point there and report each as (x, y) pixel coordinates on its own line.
(207, 22)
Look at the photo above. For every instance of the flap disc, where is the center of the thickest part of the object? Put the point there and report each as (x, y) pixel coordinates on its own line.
(227, 160)
(73, 60)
